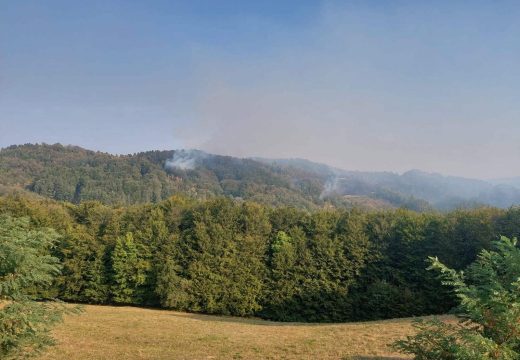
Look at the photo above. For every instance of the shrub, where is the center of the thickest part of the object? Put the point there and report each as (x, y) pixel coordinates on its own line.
(489, 310)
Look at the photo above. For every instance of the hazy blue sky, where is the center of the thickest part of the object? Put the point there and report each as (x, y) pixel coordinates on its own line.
(367, 85)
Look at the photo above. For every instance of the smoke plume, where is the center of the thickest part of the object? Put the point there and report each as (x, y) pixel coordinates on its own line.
(185, 159)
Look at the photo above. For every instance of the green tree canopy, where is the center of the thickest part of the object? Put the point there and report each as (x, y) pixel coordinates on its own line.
(25, 267)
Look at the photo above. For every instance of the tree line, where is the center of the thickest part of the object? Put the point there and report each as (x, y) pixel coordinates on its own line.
(222, 256)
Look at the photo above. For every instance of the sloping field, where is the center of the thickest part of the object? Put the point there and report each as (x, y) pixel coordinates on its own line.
(104, 332)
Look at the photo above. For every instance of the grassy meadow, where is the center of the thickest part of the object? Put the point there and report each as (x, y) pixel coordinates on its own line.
(104, 332)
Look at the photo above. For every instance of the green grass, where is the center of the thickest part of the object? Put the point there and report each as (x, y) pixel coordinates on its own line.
(104, 332)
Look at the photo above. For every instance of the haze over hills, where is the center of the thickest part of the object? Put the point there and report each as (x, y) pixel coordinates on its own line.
(74, 174)
(441, 192)
(514, 182)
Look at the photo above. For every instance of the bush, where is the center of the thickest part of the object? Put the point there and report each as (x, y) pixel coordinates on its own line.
(489, 311)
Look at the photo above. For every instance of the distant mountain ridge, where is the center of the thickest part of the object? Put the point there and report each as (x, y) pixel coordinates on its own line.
(513, 181)
(74, 174)
(440, 191)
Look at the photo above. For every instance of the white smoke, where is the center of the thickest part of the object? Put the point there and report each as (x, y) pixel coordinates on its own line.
(330, 187)
(184, 159)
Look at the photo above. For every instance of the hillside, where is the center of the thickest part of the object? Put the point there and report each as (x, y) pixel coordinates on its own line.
(104, 332)
(414, 189)
(74, 174)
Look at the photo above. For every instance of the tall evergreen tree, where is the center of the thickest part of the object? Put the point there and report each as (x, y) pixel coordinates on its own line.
(129, 271)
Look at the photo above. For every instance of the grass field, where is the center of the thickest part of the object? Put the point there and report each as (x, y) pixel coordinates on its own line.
(104, 332)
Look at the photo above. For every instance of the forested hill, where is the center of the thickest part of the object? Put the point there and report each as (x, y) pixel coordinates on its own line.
(74, 174)
(414, 189)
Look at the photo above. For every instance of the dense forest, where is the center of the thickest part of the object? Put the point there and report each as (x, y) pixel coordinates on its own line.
(73, 174)
(229, 256)
(287, 240)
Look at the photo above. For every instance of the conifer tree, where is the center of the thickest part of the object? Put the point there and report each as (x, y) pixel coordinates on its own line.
(129, 270)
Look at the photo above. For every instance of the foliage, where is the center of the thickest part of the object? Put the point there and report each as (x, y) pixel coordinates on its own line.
(129, 270)
(25, 267)
(312, 267)
(241, 258)
(73, 174)
(219, 260)
(489, 295)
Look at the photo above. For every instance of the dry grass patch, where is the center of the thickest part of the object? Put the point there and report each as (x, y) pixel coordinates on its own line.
(104, 332)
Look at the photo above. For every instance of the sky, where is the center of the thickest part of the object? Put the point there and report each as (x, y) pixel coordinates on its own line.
(361, 85)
